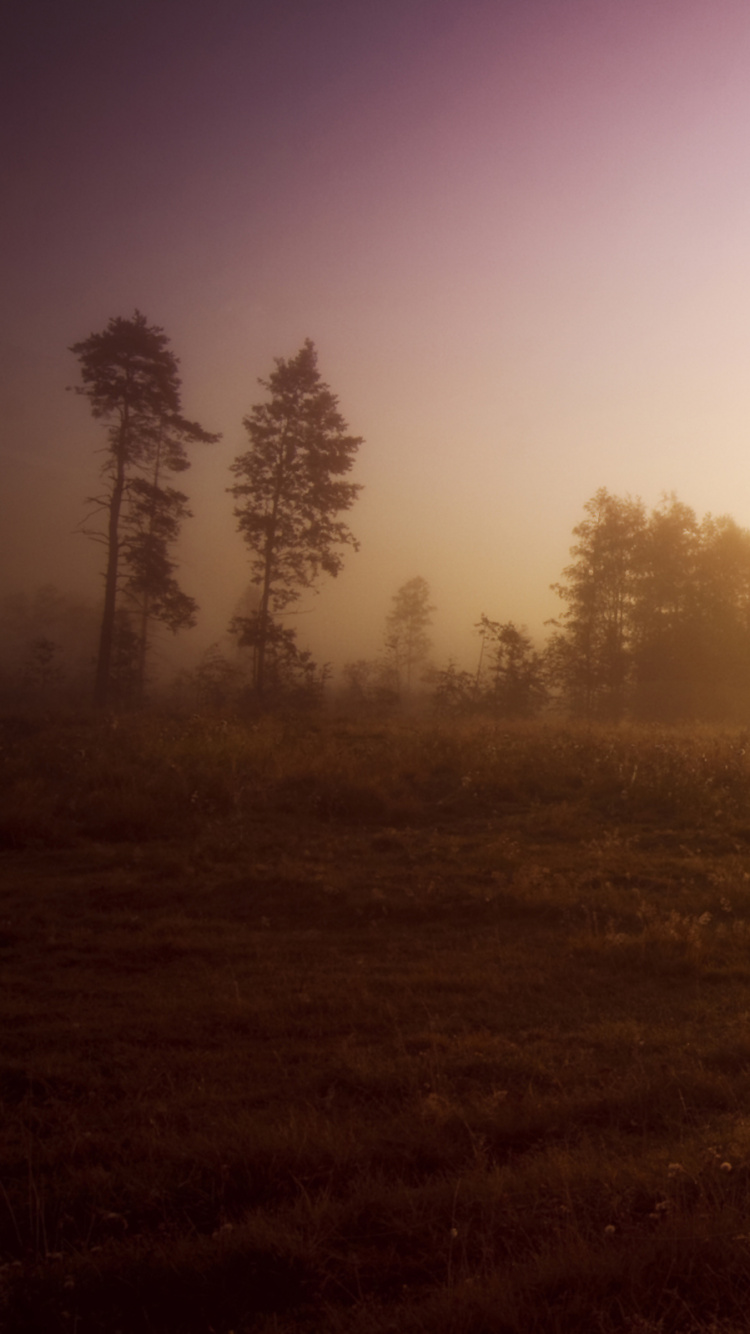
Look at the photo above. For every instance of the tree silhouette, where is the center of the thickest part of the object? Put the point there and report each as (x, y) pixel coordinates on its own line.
(152, 525)
(407, 643)
(130, 379)
(510, 678)
(590, 655)
(692, 616)
(657, 621)
(29, 625)
(289, 494)
(667, 616)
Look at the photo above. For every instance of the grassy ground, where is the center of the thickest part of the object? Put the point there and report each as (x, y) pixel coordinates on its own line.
(362, 1027)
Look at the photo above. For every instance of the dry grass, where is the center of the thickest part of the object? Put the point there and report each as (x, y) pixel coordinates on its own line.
(319, 1025)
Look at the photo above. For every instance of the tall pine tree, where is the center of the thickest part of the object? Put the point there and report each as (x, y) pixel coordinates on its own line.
(289, 493)
(130, 378)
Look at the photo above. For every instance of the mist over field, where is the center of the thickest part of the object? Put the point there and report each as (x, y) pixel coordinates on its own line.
(375, 667)
(516, 234)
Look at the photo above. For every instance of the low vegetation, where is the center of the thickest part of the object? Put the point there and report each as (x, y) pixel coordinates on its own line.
(432, 1027)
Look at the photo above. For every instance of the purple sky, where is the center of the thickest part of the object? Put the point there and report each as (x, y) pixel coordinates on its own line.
(518, 233)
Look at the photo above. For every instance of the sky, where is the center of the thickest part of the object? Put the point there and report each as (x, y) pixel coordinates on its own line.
(517, 231)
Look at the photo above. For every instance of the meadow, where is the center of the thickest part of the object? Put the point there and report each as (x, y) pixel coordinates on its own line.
(364, 1026)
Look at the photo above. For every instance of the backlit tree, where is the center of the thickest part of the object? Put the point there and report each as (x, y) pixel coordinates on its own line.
(407, 643)
(130, 378)
(590, 655)
(510, 678)
(289, 492)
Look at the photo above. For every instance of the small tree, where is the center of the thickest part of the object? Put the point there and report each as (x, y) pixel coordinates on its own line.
(42, 673)
(455, 691)
(124, 678)
(130, 379)
(47, 640)
(407, 643)
(511, 672)
(289, 493)
(370, 683)
(218, 680)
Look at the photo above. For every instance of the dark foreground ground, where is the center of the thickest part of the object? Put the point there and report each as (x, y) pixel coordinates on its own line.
(368, 1028)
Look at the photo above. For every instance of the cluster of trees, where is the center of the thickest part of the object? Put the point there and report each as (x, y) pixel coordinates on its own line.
(510, 680)
(656, 623)
(289, 491)
(655, 626)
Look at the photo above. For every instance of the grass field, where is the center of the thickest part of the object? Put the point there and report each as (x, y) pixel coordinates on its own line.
(361, 1026)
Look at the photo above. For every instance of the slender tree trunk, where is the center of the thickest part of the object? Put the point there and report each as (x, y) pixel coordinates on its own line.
(146, 604)
(106, 636)
(478, 676)
(260, 662)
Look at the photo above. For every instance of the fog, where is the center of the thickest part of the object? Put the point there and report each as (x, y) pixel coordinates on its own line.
(517, 234)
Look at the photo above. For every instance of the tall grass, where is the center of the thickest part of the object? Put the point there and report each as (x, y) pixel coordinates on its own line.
(150, 778)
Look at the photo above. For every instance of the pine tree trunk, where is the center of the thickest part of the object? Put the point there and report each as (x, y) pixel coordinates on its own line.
(107, 633)
(106, 636)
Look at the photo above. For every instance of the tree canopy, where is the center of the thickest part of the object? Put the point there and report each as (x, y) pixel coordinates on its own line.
(289, 491)
(657, 614)
(130, 377)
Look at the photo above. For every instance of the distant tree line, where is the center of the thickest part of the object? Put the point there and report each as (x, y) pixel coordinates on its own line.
(655, 618)
(509, 679)
(655, 626)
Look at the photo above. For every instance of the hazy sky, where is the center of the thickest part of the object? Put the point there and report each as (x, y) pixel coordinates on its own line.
(518, 232)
